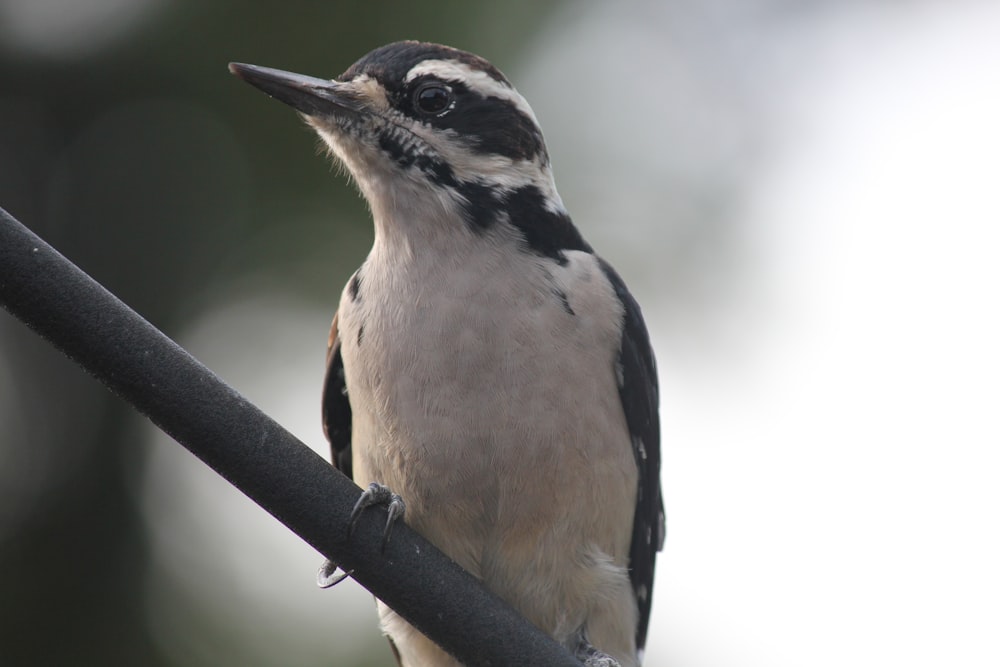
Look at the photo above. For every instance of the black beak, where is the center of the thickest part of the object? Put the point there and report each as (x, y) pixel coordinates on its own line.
(309, 95)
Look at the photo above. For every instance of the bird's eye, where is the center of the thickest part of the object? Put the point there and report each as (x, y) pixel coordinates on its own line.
(433, 99)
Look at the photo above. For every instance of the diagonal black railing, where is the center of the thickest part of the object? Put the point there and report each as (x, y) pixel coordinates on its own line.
(190, 403)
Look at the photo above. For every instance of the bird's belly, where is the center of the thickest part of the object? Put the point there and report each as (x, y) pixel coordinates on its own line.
(511, 453)
(492, 407)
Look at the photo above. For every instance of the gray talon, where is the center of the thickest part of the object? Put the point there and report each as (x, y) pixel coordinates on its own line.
(379, 494)
(591, 657)
(375, 494)
(327, 576)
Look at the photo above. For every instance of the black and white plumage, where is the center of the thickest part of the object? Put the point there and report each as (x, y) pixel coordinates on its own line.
(484, 363)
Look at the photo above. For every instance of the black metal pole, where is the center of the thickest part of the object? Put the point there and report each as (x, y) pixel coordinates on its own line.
(184, 398)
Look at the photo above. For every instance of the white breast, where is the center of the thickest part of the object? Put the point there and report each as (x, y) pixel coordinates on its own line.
(483, 390)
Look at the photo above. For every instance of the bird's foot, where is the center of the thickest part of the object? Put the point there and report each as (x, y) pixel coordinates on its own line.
(591, 657)
(375, 494)
(379, 494)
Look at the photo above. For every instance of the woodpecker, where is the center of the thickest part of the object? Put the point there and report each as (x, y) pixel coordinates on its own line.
(486, 371)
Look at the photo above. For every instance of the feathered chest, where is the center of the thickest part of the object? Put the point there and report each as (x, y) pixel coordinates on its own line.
(486, 338)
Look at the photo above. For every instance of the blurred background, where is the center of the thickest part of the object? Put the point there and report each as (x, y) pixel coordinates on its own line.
(802, 195)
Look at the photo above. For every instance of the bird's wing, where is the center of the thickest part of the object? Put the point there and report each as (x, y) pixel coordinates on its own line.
(337, 418)
(336, 406)
(639, 390)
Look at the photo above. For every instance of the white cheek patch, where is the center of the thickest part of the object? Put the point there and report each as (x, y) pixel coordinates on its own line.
(475, 79)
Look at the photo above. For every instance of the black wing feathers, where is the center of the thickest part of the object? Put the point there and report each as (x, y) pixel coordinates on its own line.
(336, 406)
(639, 391)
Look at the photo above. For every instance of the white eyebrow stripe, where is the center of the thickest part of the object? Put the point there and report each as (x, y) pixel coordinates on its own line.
(475, 79)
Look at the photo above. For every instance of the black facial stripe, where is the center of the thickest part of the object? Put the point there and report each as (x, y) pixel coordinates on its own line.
(491, 125)
(439, 171)
(480, 204)
(487, 125)
(545, 232)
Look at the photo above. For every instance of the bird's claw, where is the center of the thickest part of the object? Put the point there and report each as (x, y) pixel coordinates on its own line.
(375, 494)
(591, 657)
(327, 576)
(379, 494)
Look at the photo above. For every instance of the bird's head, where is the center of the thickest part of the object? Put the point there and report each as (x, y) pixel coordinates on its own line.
(427, 131)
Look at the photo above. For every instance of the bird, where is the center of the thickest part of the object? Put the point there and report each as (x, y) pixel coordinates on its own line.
(489, 378)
